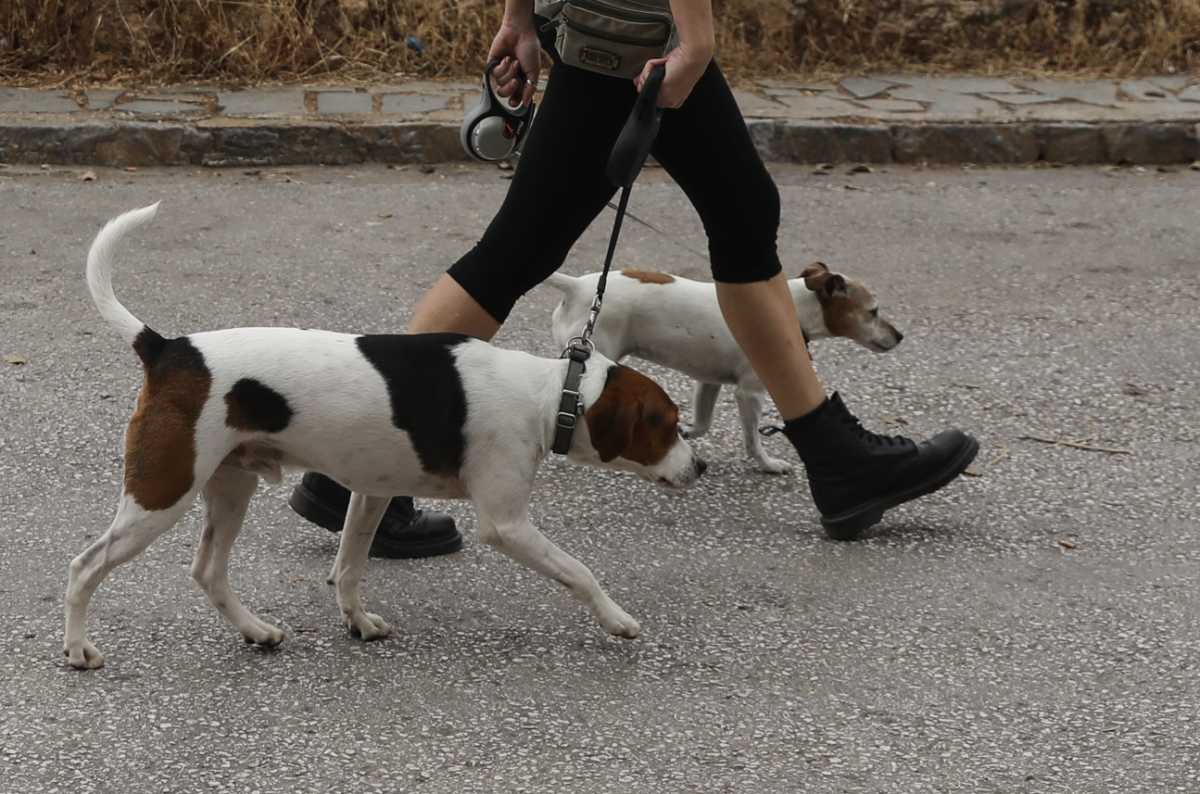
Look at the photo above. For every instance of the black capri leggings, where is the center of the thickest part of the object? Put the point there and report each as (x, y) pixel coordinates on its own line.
(559, 186)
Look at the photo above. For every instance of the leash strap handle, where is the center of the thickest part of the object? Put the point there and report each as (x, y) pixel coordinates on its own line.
(637, 136)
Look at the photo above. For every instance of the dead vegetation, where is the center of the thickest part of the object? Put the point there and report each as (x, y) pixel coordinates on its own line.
(247, 41)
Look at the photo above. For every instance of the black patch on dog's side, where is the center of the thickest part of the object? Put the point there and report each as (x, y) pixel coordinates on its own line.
(426, 393)
(256, 407)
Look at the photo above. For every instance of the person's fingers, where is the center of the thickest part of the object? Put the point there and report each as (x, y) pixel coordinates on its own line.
(517, 86)
(641, 79)
(507, 77)
(506, 70)
(530, 89)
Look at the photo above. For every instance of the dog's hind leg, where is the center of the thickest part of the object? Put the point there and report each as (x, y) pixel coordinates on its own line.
(133, 529)
(750, 407)
(516, 536)
(704, 402)
(362, 519)
(226, 497)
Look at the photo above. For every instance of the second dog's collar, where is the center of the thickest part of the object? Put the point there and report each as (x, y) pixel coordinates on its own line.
(570, 404)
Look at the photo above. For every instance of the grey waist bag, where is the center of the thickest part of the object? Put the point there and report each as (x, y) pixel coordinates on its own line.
(613, 37)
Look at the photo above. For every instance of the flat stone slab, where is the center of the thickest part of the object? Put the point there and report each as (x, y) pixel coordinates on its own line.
(1102, 93)
(1026, 99)
(262, 103)
(957, 85)
(343, 102)
(951, 105)
(412, 104)
(893, 105)
(160, 107)
(102, 98)
(1144, 91)
(758, 105)
(865, 87)
(824, 106)
(23, 100)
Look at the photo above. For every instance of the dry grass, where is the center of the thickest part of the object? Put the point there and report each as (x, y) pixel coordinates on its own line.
(245, 41)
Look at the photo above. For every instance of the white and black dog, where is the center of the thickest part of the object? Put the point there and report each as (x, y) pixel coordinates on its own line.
(676, 322)
(429, 415)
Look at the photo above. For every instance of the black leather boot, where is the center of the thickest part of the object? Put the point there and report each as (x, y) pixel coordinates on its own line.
(404, 531)
(855, 475)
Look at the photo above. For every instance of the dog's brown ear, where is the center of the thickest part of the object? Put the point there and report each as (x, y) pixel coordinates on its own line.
(834, 284)
(818, 279)
(815, 269)
(612, 418)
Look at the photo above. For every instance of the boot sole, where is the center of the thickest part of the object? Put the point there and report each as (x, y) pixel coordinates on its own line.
(852, 523)
(308, 507)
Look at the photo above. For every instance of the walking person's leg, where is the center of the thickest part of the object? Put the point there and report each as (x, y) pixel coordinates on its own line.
(558, 188)
(854, 475)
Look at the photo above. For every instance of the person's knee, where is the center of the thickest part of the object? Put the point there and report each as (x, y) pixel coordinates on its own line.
(743, 243)
(497, 277)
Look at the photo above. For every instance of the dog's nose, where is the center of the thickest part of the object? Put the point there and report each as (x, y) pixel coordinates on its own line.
(701, 466)
(899, 337)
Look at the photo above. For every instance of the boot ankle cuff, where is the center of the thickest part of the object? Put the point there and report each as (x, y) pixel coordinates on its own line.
(792, 428)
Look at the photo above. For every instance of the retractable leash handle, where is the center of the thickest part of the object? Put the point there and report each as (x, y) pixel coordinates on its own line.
(624, 163)
(492, 131)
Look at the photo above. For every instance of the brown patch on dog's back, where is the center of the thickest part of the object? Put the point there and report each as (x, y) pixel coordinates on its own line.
(160, 444)
(648, 276)
(633, 419)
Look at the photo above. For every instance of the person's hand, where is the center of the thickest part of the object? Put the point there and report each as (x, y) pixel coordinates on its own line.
(684, 68)
(517, 48)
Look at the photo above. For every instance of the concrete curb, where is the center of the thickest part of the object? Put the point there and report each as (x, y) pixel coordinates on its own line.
(885, 119)
(291, 142)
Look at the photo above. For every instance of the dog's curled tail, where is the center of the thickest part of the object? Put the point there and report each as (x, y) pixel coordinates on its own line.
(99, 278)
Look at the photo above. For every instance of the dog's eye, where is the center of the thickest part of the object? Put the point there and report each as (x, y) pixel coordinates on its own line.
(875, 312)
(654, 420)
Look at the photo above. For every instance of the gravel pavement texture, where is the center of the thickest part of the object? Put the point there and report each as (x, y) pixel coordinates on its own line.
(1032, 628)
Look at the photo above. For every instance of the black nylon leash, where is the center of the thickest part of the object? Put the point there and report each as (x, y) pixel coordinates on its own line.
(624, 163)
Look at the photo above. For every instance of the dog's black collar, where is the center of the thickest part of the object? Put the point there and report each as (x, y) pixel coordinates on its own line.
(570, 404)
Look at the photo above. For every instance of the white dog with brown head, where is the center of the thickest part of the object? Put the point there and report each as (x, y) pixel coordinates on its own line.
(677, 322)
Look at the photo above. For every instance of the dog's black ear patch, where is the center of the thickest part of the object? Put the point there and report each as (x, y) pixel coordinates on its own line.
(256, 407)
(426, 393)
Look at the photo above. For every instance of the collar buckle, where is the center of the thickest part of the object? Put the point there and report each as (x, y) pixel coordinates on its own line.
(570, 404)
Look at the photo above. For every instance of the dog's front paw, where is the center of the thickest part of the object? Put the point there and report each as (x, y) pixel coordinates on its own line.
(691, 431)
(368, 626)
(774, 466)
(84, 656)
(265, 636)
(618, 623)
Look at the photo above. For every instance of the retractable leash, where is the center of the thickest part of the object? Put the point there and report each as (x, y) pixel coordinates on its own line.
(624, 163)
(491, 131)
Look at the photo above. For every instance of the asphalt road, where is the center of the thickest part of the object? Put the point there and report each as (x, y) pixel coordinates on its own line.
(1032, 628)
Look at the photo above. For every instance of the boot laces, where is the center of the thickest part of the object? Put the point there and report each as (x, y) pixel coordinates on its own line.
(403, 509)
(874, 439)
